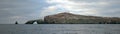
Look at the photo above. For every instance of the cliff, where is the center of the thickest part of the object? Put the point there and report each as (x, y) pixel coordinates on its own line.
(69, 18)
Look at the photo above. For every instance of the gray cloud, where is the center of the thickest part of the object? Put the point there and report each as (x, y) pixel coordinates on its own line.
(24, 10)
(102, 7)
(19, 10)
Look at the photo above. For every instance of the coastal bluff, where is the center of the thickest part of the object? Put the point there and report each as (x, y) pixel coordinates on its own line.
(69, 18)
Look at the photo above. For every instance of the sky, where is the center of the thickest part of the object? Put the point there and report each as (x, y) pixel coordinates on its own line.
(24, 10)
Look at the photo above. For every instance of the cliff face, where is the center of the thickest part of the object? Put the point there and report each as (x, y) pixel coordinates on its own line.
(68, 18)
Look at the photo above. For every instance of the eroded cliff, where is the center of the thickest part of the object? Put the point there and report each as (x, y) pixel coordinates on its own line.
(69, 18)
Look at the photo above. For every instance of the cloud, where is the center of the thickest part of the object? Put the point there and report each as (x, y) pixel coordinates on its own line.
(73, 7)
(19, 10)
(24, 10)
(85, 7)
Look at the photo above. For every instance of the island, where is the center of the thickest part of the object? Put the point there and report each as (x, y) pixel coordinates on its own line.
(69, 18)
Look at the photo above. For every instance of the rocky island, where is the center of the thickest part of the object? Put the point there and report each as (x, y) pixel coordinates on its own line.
(69, 18)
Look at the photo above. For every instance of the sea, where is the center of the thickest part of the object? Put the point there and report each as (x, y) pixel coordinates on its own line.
(60, 29)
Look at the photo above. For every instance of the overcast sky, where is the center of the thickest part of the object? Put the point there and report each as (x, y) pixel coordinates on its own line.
(24, 10)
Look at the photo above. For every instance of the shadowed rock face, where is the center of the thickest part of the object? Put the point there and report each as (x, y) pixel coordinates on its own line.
(68, 18)
(40, 21)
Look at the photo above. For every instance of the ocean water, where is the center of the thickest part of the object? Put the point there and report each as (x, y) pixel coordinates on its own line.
(60, 29)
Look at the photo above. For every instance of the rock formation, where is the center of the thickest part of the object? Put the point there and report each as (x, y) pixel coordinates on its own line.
(39, 21)
(16, 22)
(68, 18)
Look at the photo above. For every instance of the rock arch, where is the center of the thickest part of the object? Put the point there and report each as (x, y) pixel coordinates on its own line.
(33, 21)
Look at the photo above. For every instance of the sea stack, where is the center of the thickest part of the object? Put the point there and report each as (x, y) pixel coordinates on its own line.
(16, 22)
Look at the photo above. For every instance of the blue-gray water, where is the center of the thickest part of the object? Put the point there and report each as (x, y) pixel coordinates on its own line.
(61, 29)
